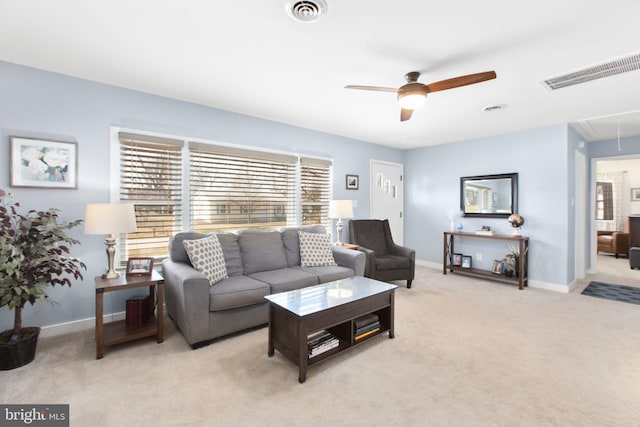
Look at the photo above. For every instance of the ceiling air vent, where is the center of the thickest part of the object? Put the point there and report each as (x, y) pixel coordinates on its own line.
(306, 11)
(611, 68)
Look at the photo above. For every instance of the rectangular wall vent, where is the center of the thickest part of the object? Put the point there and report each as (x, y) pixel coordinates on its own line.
(611, 68)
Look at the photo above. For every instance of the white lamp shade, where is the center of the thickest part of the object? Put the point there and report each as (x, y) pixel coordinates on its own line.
(109, 218)
(340, 209)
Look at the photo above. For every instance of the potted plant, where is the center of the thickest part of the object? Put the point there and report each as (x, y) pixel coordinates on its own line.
(34, 251)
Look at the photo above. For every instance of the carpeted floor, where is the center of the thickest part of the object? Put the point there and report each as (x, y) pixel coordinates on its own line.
(613, 292)
(466, 352)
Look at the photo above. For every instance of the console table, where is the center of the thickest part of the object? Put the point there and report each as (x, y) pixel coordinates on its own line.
(522, 278)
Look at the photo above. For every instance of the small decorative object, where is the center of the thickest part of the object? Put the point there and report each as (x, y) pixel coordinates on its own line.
(466, 261)
(34, 251)
(485, 231)
(454, 216)
(139, 266)
(457, 260)
(512, 260)
(635, 194)
(509, 264)
(352, 182)
(516, 221)
(497, 267)
(41, 163)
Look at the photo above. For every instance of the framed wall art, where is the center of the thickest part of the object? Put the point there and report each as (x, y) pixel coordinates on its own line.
(43, 163)
(352, 182)
(635, 194)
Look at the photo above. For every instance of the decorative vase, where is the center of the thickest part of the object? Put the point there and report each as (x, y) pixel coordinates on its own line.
(460, 226)
(14, 354)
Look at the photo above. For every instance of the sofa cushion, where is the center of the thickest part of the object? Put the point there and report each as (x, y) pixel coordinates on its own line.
(286, 279)
(291, 241)
(177, 252)
(232, 255)
(237, 291)
(207, 257)
(315, 250)
(328, 273)
(261, 251)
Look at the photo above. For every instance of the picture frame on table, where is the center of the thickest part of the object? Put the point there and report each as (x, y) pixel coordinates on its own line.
(466, 261)
(141, 266)
(352, 182)
(43, 163)
(456, 260)
(497, 267)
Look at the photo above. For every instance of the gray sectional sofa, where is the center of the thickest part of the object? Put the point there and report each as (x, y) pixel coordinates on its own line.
(258, 263)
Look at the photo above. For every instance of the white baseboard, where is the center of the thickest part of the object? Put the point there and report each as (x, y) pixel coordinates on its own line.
(78, 325)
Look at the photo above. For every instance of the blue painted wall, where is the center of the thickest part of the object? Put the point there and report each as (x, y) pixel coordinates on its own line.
(539, 156)
(35, 103)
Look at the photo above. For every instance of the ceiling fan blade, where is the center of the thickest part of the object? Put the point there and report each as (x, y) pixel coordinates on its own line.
(461, 81)
(374, 88)
(405, 114)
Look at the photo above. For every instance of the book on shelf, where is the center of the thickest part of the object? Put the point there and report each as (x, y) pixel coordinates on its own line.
(365, 320)
(320, 342)
(366, 334)
(367, 328)
(138, 310)
(486, 232)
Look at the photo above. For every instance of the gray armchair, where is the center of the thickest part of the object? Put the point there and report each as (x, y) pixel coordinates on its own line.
(385, 260)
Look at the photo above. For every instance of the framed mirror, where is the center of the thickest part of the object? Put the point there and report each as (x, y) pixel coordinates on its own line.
(489, 196)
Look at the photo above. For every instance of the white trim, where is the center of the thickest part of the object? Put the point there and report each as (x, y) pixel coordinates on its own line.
(78, 325)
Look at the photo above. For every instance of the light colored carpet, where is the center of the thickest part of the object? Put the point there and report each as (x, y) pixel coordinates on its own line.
(466, 352)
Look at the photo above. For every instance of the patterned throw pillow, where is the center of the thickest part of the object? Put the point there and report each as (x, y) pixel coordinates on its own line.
(315, 250)
(206, 256)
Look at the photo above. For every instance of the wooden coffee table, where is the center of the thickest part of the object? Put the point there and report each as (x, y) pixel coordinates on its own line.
(333, 307)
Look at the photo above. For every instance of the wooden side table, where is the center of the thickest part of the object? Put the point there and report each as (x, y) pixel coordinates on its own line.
(118, 332)
(348, 246)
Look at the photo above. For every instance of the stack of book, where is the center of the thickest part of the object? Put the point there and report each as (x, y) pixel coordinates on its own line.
(320, 342)
(138, 310)
(365, 326)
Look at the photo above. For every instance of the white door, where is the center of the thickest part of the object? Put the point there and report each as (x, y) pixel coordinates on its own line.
(387, 196)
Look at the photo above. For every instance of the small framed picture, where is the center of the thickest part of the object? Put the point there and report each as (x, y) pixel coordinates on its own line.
(457, 260)
(42, 163)
(139, 266)
(466, 261)
(497, 267)
(352, 182)
(635, 194)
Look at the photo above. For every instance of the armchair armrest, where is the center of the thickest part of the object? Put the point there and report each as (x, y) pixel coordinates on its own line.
(370, 261)
(621, 242)
(605, 233)
(187, 299)
(349, 258)
(407, 253)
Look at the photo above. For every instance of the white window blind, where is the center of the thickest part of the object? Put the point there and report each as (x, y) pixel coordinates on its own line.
(232, 188)
(315, 191)
(151, 179)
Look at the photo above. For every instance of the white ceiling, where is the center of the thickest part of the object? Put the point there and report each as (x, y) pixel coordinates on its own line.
(250, 57)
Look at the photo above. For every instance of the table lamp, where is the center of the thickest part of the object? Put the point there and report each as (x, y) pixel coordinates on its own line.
(340, 209)
(111, 219)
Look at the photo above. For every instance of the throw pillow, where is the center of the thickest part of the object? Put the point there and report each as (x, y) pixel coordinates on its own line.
(206, 256)
(315, 250)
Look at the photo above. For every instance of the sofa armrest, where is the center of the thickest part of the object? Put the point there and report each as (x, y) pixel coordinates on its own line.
(349, 258)
(187, 299)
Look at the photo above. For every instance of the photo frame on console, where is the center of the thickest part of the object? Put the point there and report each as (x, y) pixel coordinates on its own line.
(497, 267)
(456, 260)
(139, 266)
(466, 261)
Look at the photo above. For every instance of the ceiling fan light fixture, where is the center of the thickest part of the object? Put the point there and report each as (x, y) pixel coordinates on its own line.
(411, 101)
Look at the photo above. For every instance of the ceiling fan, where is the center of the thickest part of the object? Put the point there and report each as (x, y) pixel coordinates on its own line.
(413, 94)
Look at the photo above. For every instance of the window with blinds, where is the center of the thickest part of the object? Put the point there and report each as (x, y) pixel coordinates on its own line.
(315, 191)
(232, 189)
(151, 179)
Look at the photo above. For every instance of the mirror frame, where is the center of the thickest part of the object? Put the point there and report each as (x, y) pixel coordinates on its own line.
(514, 194)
